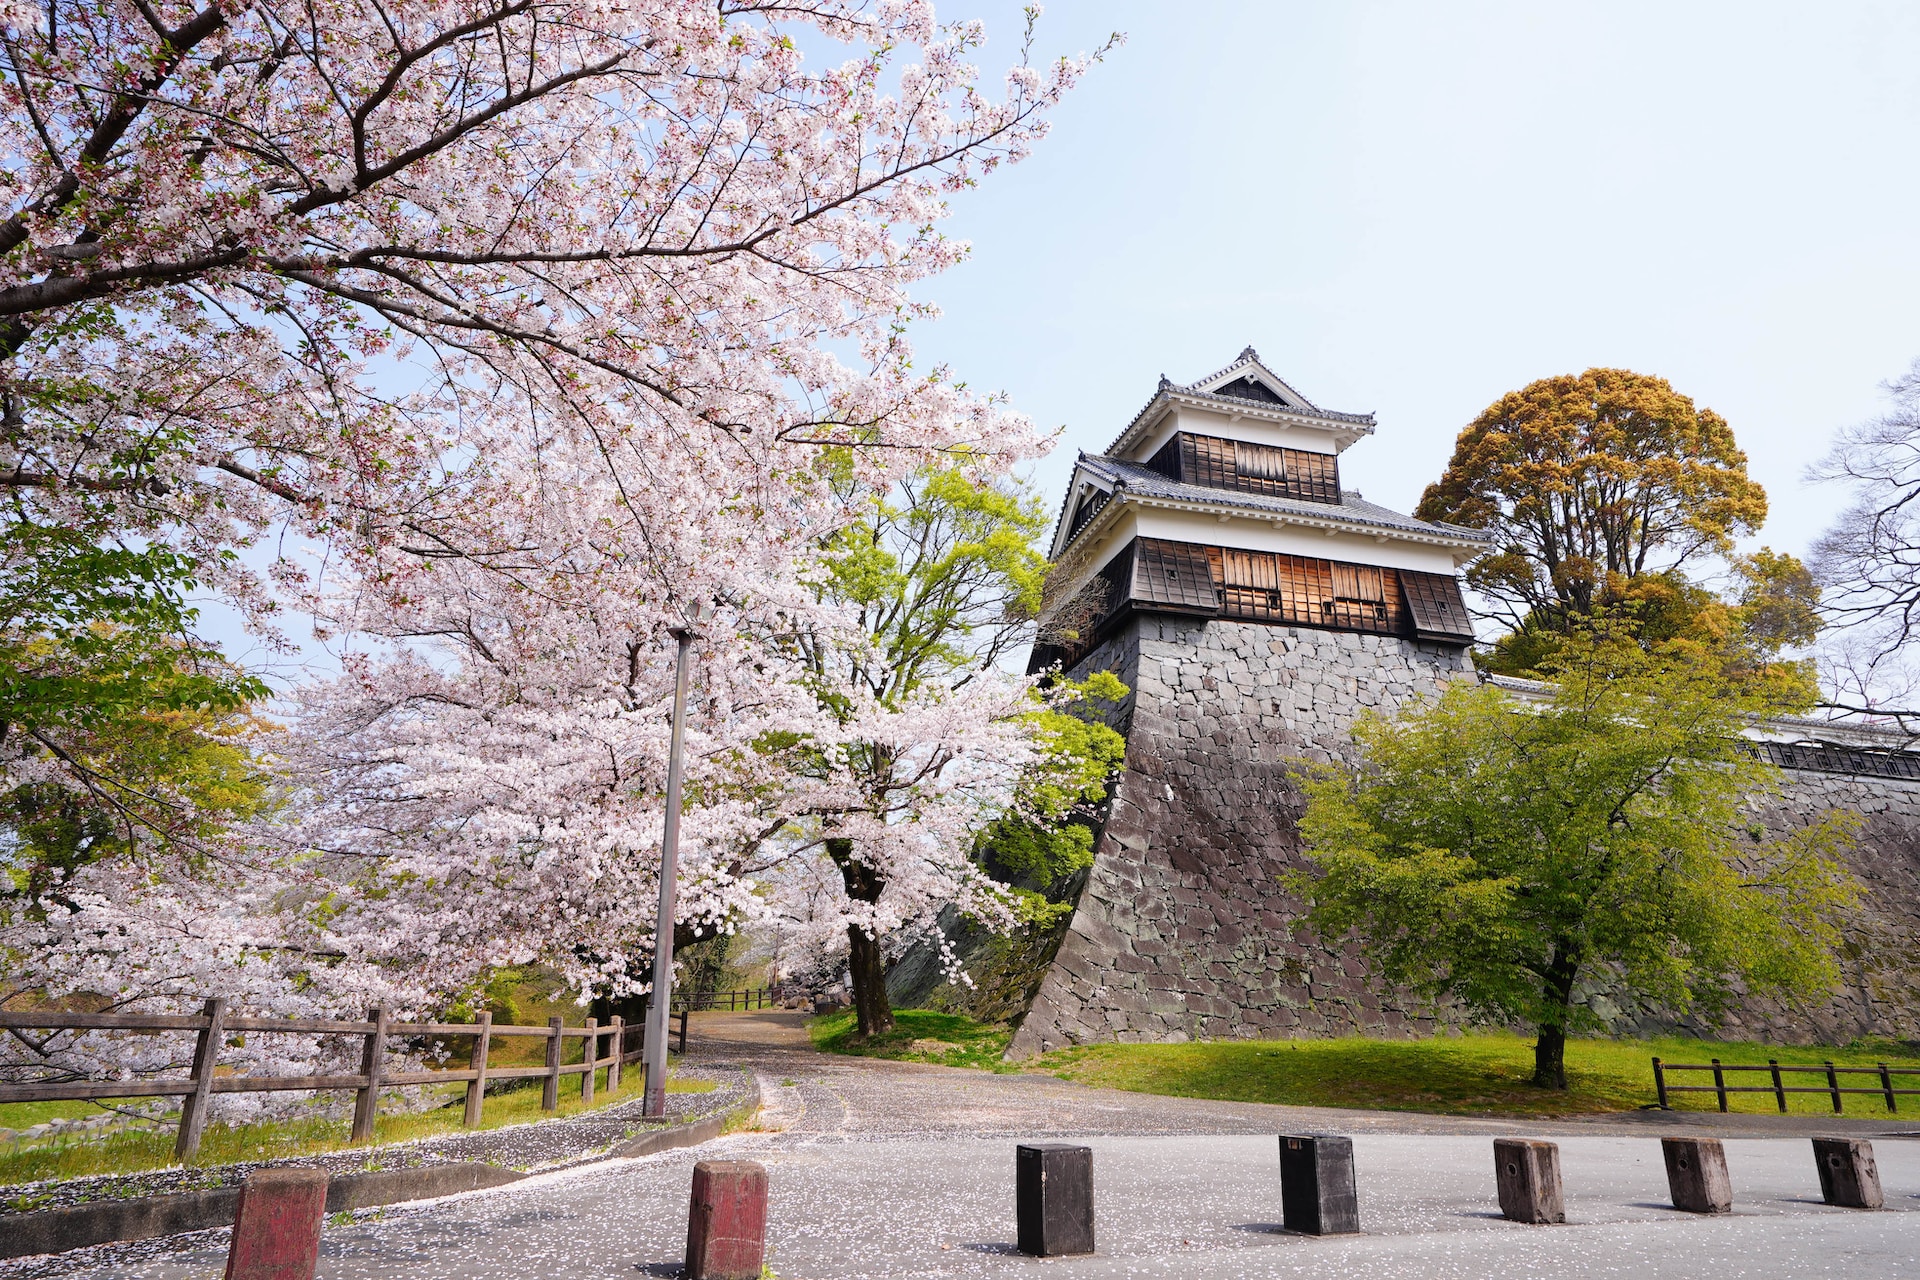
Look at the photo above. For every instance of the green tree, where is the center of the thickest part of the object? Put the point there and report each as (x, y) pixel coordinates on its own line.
(1769, 607)
(943, 575)
(121, 733)
(1500, 852)
(1048, 838)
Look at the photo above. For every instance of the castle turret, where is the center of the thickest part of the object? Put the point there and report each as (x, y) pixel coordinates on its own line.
(1222, 499)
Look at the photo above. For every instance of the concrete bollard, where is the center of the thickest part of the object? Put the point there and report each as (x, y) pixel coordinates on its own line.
(1848, 1176)
(1697, 1174)
(276, 1230)
(1527, 1173)
(727, 1221)
(1317, 1196)
(1053, 1199)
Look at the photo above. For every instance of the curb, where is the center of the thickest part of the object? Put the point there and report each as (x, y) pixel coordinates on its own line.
(705, 1129)
(115, 1221)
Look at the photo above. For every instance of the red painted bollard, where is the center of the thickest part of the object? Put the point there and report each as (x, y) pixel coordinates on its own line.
(276, 1233)
(727, 1221)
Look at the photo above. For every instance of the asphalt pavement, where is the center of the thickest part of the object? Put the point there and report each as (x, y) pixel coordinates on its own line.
(881, 1169)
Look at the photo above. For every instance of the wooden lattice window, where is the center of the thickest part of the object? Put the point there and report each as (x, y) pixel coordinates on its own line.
(1264, 586)
(1359, 598)
(1244, 467)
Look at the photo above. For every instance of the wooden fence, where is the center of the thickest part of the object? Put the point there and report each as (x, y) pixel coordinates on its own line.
(213, 1025)
(737, 1001)
(1778, 1087)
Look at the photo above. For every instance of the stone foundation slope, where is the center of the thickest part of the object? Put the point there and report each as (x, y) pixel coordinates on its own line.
(1182, 932)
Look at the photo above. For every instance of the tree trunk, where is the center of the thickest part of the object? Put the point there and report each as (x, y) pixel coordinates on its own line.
(1550, 1058)
(865, 961)
(869, 983)
(1550, 1045)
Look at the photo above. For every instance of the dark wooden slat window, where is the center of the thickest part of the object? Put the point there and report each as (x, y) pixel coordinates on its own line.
(1174, 575)
(1438, 612)
(1155, 575)
(1244, 467)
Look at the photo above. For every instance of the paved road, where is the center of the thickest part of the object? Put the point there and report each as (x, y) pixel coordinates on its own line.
(888, 1170)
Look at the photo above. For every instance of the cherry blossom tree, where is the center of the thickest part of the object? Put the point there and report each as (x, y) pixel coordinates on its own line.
(538, 319)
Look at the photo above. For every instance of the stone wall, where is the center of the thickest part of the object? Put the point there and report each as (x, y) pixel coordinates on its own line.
(1182, 932)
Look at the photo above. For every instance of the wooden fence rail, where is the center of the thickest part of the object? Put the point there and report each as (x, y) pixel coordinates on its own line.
(735, 1001)
(1778, 1087)
(213, 1025)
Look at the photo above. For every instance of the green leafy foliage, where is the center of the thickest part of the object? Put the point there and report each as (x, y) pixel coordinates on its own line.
(144, 731)
(1498, 853)
(944, 573)
(1770, 606)
(1049, 838)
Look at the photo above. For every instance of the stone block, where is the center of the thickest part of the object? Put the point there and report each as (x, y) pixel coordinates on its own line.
(1697, 1174)
(1527, 1174)
(1053, 1199)
(1848, 1176)
(276, 1230)
(1317, 1195)
(727, 1221)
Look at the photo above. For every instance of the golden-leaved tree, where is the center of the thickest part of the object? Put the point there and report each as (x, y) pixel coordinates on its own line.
(1607, 492)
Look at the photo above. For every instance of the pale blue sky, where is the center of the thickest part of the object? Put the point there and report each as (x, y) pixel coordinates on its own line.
(1413, 208)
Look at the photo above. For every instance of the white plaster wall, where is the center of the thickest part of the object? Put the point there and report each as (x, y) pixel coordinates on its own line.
(1199, 422)
(1260, 534)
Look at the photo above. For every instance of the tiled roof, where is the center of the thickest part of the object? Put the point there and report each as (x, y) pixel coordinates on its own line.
(1297, 403)
(1136, 480)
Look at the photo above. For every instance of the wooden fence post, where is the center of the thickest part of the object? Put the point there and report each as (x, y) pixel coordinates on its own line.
(1886, 1084)
(550, 1091)
(1660, 1083)
(1833, 1087)
(683, 1031)
(373, 1065)
(591, 1057)
(1720, 1085)
(477, 1087)
(619, 1053)
(1779, 1089)
(193, 1110)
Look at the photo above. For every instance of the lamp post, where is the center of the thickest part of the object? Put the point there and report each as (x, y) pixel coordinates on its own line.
(654, 1047)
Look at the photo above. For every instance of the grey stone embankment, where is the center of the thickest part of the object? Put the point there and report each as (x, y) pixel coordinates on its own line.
(1183, 931)
(53, 1217)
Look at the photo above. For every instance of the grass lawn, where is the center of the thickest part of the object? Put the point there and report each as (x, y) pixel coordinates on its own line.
(919, 1035)
(1465, 1075)
(24, 1115)
(1483, 1074)
(132, 1150)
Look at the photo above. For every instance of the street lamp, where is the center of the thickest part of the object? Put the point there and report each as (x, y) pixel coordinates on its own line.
(654, 1047)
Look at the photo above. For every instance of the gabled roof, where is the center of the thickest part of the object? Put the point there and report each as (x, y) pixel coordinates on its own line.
(1129, 481)
(1246, 387)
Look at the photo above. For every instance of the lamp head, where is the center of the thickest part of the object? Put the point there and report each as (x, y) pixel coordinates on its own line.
(695, 611)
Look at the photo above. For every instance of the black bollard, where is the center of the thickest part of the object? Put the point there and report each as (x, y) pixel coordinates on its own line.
(1316, 1185)
(1848, 1176)
(1697, 1174)
(1528, 1176)
(1053, 1198)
